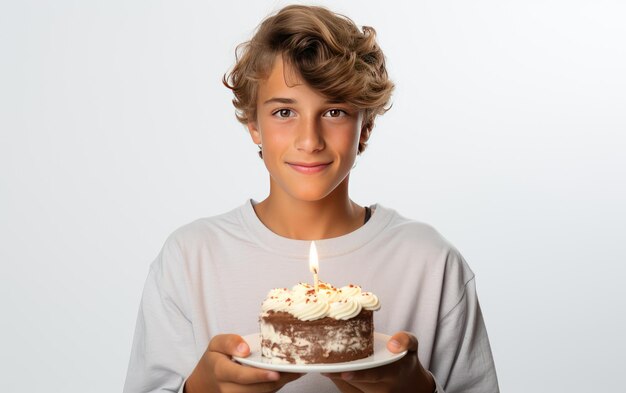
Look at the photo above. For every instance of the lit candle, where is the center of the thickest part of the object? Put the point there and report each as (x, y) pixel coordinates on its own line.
(314, 265)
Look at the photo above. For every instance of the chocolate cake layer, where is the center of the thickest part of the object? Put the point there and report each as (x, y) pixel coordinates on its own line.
(286, 339)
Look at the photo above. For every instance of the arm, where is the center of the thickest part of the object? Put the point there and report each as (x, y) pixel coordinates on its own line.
(462, 359)
(164, 351)
(406, 375)
(216, 372)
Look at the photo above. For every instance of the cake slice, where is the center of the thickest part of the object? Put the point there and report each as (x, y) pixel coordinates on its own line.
(302, 326)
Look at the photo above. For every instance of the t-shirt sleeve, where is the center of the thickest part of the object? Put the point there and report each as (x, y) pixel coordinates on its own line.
(163, 352)
(462, 359)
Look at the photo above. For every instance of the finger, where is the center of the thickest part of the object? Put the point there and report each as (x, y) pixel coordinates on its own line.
(372, 375)
(402, 341)
(289, 377)
(345, 387)
(262, 387)
(228, 371)
(229, 344)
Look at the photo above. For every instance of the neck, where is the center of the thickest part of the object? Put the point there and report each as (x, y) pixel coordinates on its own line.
(332, 216)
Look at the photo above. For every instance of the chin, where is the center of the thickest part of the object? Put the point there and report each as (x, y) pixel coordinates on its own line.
(311, 190)
(311, 194)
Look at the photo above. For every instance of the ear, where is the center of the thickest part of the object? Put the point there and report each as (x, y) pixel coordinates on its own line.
(366, 131)
(253, 128)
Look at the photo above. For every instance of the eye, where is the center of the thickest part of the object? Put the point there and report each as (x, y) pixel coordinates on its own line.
(283, 113)
(335, 113)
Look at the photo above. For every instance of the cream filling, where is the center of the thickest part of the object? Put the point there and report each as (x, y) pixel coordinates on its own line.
(283, 346)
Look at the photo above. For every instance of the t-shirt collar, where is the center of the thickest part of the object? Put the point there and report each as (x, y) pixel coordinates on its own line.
(299, 249)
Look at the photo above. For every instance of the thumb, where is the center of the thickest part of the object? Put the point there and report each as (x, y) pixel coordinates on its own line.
(229, 344)
(402, 341)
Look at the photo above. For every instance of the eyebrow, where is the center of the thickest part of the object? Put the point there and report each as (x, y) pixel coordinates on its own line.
(282, 100)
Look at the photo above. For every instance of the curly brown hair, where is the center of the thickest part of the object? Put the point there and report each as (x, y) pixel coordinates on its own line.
(328, 51)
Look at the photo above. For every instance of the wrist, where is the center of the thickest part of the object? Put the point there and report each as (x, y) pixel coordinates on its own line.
(187, 384)
(432, 383)
(429, 385)
(195, 382)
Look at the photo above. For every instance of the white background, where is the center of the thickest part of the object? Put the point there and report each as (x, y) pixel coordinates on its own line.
(506, 134)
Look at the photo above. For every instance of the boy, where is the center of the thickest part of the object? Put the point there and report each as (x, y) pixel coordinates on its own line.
(308, 86)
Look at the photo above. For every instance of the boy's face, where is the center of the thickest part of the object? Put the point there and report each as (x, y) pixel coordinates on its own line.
(309, 142)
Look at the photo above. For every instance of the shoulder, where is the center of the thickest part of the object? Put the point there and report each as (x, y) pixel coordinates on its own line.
(417, 233)
(428, 244)
(201, 236)
(207, 229)
(427, 260)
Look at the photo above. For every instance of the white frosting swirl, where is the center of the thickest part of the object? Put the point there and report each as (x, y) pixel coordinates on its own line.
(310, 310)
(277, 300)
(304, 303)
(350, 291)
(345, 309)
(301, 291)
(369, 301)
(328, 295)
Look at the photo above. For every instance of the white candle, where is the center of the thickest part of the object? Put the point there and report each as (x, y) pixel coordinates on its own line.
(314, 265)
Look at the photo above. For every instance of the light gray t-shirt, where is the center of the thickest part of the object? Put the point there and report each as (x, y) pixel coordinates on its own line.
(212, 275)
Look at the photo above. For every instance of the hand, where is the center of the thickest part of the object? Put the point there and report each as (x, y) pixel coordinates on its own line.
(216, 372)
(405, 375)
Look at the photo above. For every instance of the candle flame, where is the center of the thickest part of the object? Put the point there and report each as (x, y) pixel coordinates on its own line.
(313, 259)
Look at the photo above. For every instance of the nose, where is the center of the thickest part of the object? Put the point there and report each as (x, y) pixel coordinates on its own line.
(309, 138)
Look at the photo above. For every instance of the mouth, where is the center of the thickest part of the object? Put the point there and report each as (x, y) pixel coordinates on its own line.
(309, 167)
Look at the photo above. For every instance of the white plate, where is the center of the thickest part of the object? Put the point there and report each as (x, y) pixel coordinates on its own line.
(380, 357)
